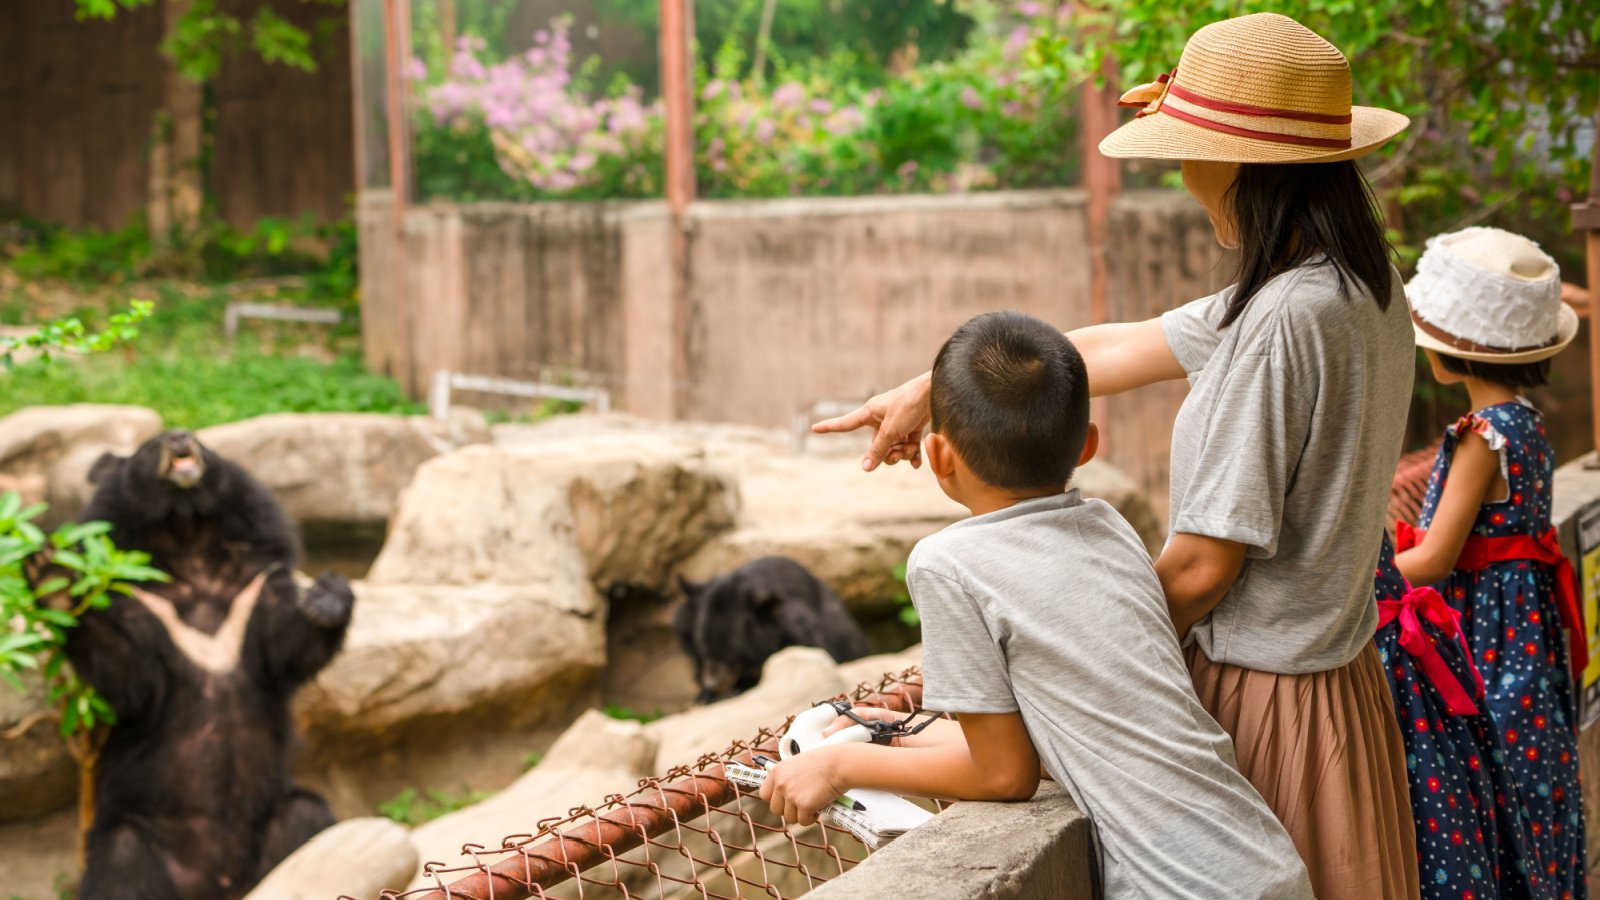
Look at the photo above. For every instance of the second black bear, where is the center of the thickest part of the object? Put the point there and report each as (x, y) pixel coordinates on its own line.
(193, 794)
(731, 624)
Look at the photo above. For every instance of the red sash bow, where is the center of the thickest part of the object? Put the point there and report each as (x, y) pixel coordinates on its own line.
(1480, 552)
(1425, 603)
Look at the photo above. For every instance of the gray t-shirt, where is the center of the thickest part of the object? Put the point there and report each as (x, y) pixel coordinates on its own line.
(1287, 443)
(1052, 608)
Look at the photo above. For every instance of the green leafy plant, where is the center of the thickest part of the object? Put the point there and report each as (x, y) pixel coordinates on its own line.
(531, 759)
(35, 618)
(412, 807)
(70, 335)
(205, 34)
(623, 713)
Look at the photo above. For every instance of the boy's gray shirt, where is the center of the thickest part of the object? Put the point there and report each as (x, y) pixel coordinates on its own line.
(1052, 608)
(1287, 444)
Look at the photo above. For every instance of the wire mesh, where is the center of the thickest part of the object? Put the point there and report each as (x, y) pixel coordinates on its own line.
(688, 833)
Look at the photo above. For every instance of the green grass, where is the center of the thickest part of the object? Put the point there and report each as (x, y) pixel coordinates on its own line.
(185, 368)
(412, 807)
(623, 713)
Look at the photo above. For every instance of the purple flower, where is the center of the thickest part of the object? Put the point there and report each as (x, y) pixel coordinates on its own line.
(821, 107)
(416, 69)
(970, 98)
(713, 90)
(907, 169)
(1012, 110)
(765, 129)
(1016, 42)
(789, 95)
(1030, 10)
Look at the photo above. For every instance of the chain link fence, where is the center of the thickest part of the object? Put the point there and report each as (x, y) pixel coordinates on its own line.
(689, 833)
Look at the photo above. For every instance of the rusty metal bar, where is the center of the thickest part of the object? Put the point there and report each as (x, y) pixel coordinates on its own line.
(563, 855)
(677, 92)
(1586, 218)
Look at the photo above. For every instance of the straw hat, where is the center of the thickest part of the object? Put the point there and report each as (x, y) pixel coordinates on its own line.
(1260, 88)
(1489, 295)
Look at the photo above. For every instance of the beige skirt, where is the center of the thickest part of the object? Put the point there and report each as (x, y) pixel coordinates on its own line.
(1325, 751)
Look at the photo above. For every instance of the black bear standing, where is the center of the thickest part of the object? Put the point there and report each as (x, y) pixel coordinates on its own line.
(193, 794)
(732, 623)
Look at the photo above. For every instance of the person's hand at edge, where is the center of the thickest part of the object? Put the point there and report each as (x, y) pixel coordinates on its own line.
(898, 418)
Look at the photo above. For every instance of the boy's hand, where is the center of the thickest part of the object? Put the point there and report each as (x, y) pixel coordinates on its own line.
(800, 787)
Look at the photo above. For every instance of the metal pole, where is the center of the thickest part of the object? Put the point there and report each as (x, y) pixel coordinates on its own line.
(1586, 218)
(677, 36)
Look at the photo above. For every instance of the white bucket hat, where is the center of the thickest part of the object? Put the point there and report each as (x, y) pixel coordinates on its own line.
(1489, 295)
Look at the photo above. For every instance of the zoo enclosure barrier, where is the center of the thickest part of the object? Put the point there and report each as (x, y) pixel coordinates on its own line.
(689, 833)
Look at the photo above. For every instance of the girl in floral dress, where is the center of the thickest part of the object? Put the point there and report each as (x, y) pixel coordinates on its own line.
(1473, 841)
(1487, 310)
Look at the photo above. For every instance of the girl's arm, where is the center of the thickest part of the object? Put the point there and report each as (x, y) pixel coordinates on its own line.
(1119, 357)
(1471, 473)
(990, 758)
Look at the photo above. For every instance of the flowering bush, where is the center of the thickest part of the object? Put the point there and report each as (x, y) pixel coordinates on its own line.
(527, 128)
(535, 113)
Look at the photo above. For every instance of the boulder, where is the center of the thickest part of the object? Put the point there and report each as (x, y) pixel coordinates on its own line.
(420, 657)
(355, 858)
(46, 451)
(597, 757)
(791, 681)
(36, 772)
(853, 528)
(345, 468)
(569, 512)
(850, 527)
(870, 670)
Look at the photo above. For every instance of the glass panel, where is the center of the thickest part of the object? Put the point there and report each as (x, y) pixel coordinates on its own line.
(372, 115)
(534, 100)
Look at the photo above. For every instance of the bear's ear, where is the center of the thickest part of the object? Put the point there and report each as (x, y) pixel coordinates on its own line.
(104, 467)
(766, 601)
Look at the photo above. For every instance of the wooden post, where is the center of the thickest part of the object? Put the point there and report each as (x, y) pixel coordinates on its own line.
(1586, 218)
(175, 182)
(1102, 178)
(677, 91)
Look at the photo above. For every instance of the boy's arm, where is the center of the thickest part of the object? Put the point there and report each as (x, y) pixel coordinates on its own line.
(990, 758)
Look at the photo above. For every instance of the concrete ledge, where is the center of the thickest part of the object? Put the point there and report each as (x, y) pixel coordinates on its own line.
(1042, 848)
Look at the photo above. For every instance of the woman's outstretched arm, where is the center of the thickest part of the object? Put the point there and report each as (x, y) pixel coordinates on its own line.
(1119, 357)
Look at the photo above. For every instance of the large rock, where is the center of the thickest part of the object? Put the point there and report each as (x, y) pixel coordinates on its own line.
(598, 512)
(355, 858)
(36, 772)
(849, 527)
(346, 468)
(420, 658)
(46, 451)
(481, 611)
(597, 757)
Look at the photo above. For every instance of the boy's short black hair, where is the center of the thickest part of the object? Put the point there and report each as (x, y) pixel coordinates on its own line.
(1012, 395)
(1511, 375)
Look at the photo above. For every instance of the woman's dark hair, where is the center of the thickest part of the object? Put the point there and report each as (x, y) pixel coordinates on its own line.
(1285, 214)
(1511, 375)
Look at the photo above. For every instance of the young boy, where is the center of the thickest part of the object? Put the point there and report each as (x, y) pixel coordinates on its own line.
(1044, 626)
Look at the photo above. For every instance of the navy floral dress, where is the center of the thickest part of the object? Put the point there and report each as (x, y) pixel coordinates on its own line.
(1513, 620)
(1473, 841)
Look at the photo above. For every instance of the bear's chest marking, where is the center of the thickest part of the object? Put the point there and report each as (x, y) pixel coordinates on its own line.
(215, 653)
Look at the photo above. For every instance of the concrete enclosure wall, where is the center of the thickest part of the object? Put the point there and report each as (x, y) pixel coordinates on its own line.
(788, 302)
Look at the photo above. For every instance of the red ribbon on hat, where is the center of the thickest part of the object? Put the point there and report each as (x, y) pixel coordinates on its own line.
(1153, 98)
(1480, 552)
(1425, 603)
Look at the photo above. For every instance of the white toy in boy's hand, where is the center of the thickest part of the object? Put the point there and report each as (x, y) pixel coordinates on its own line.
(805, 732)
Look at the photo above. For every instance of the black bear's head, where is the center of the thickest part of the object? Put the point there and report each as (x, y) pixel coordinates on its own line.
(731, 624)
(173, 478)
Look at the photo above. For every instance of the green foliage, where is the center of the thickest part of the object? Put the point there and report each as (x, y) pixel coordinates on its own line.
(1498, 93)
(34, 620)
(907, 614)
(205, 35)
(531, 759)
(625, 714)
(71, 336)
(412, 807)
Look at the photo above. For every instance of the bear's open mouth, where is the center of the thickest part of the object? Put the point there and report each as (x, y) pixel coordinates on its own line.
(184, 467)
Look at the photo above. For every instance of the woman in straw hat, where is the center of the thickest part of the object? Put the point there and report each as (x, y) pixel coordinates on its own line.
(1486, 306)
(1300, 382)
